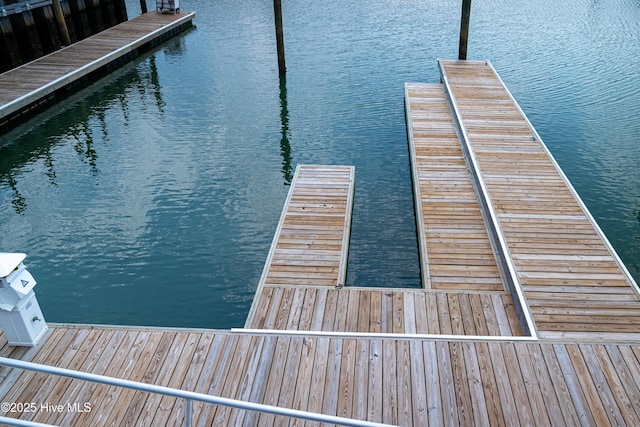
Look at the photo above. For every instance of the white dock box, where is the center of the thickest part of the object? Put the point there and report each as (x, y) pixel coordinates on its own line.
(20, 314)
(168, 6)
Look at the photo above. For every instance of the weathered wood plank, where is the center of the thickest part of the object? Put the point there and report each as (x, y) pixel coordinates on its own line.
(549, 232)
(310, 245)
(407, 381)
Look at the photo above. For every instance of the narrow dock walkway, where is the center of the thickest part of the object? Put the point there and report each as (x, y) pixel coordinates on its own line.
(311, 243)
(30, 85)
(574, 282)
(456, 252)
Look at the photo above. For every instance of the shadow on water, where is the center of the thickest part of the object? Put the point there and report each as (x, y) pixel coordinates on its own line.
(38, 137)
(285, 146)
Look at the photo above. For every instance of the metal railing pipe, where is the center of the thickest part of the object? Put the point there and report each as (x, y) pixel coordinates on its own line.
(6, 421)
(183, 394)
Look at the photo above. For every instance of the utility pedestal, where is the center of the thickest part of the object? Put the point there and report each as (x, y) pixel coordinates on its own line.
(20, 314)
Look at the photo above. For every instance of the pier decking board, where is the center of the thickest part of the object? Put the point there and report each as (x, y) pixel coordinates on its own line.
(571, 276)
(312, 239)
(455, 250)
(399, 381)
(28, 85)
(310, 245)
(387, 311)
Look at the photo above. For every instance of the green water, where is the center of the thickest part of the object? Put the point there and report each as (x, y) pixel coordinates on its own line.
(151, 197)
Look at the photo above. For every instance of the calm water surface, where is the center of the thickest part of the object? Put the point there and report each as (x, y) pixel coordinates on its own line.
(152, 196)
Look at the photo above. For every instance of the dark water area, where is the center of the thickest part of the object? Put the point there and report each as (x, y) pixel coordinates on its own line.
(151, 197)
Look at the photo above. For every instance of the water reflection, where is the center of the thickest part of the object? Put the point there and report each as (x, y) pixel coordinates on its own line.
(155, 83)
(18, 202)
(83, 146)
(74, 122)
(285, 146)
(48, 162)
(177, 47)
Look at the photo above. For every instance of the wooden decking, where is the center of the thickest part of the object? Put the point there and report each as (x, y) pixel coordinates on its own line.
(32, 84)
(397, 381)
(301, 287)
(311, 243)
(575, 284)
(394, 311)
(455, 249)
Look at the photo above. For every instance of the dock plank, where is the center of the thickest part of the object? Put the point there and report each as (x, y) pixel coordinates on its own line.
(552, 239)
(447, 211)
(403, 381)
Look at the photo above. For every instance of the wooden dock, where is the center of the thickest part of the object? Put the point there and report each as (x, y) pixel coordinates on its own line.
(301, 287)
(502, 235)
(311, 243)
(392, 311)
(407, 382)
(574, 282)
(455, 250)
(43, 80)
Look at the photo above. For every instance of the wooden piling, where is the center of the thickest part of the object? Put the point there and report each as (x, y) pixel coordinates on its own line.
(108, 14)
(62, 24)
(48, 32)
(277, 8)
(29, 45)
(81, 19)
(464, 29)
(68, 19)
(11, 57)
(95, 15)
(121, 10)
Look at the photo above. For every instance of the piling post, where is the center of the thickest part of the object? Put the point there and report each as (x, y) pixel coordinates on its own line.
(11, 58)
(464, 29)
(62, 24)
(95, 16)
(69, 20)
(143, 6)
(277, 8)
(83, 27)
(50, 34)
(28, 43)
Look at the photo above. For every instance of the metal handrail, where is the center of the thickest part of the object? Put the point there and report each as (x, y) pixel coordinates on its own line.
(6, 421)
(506, 265)
(188, 396)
